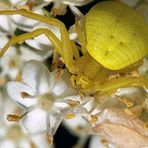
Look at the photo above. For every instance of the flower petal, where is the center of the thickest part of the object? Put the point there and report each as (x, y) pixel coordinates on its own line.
(5, 25)
(76, 125)
(77, 2)
(38, 46)
(40, 140)
(62, 86)
(35, 121)
(97, 141)
(42, 39)
(24, 143)
(7, 144)
(55, 119)
(31, 54)
(15, 89)
(23, 23)
(36, 75)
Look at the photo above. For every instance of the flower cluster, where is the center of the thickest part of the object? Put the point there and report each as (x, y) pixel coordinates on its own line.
(41, 89)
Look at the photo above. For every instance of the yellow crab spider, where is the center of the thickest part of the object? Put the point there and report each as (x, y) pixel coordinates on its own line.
(116, 39)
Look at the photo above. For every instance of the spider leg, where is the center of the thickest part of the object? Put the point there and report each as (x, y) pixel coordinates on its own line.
(81, 37)
(115, 83)
(55, 41)
(67, 47)
(34, 16)
(75, 50)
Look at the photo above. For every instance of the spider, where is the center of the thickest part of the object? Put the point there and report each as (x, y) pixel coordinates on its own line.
(113, 46)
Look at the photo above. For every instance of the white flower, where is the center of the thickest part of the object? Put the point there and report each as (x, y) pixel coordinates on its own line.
(47, 98)
(8, 24)
(42, 42)
(59, 7)
(13, 137)
(7, 106)
(40, 141)
(78, 125)
(12, 61)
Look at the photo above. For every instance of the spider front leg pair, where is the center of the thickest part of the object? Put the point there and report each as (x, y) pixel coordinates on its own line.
(66, 48)
(110, 86)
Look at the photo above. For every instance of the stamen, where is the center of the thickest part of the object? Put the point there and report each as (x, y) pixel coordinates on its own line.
(73, 103)
(128, 102)
(32, 145)
(12, 64)
(59, 10)
(129, 112)
(93, 119)
(59, 74)
(146, 125)
(24, 7)
(3, 81)
(81, 95)
(24, 95)
(15, 118)
(105, 142)
(49, 139)
(79, 128)
(19, 77)
(30, 5)
(69, 116)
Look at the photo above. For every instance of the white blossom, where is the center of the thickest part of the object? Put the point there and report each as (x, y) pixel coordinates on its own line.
(59, 6)
(45, 97)
(98, 141)
(8, 24)
(48, 98)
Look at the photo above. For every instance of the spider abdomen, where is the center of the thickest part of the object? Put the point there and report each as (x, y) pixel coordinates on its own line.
(117, 36)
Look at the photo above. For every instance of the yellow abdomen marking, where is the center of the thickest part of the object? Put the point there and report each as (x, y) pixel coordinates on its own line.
(117, 36)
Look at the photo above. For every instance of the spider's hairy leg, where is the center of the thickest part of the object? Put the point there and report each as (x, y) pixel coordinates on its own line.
(115, 83)
(67, 52)
(81, 37)
(55, 41)
(75, 50)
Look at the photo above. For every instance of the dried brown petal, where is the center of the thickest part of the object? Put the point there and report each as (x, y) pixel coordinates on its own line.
(118, 116)
(122, 136)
